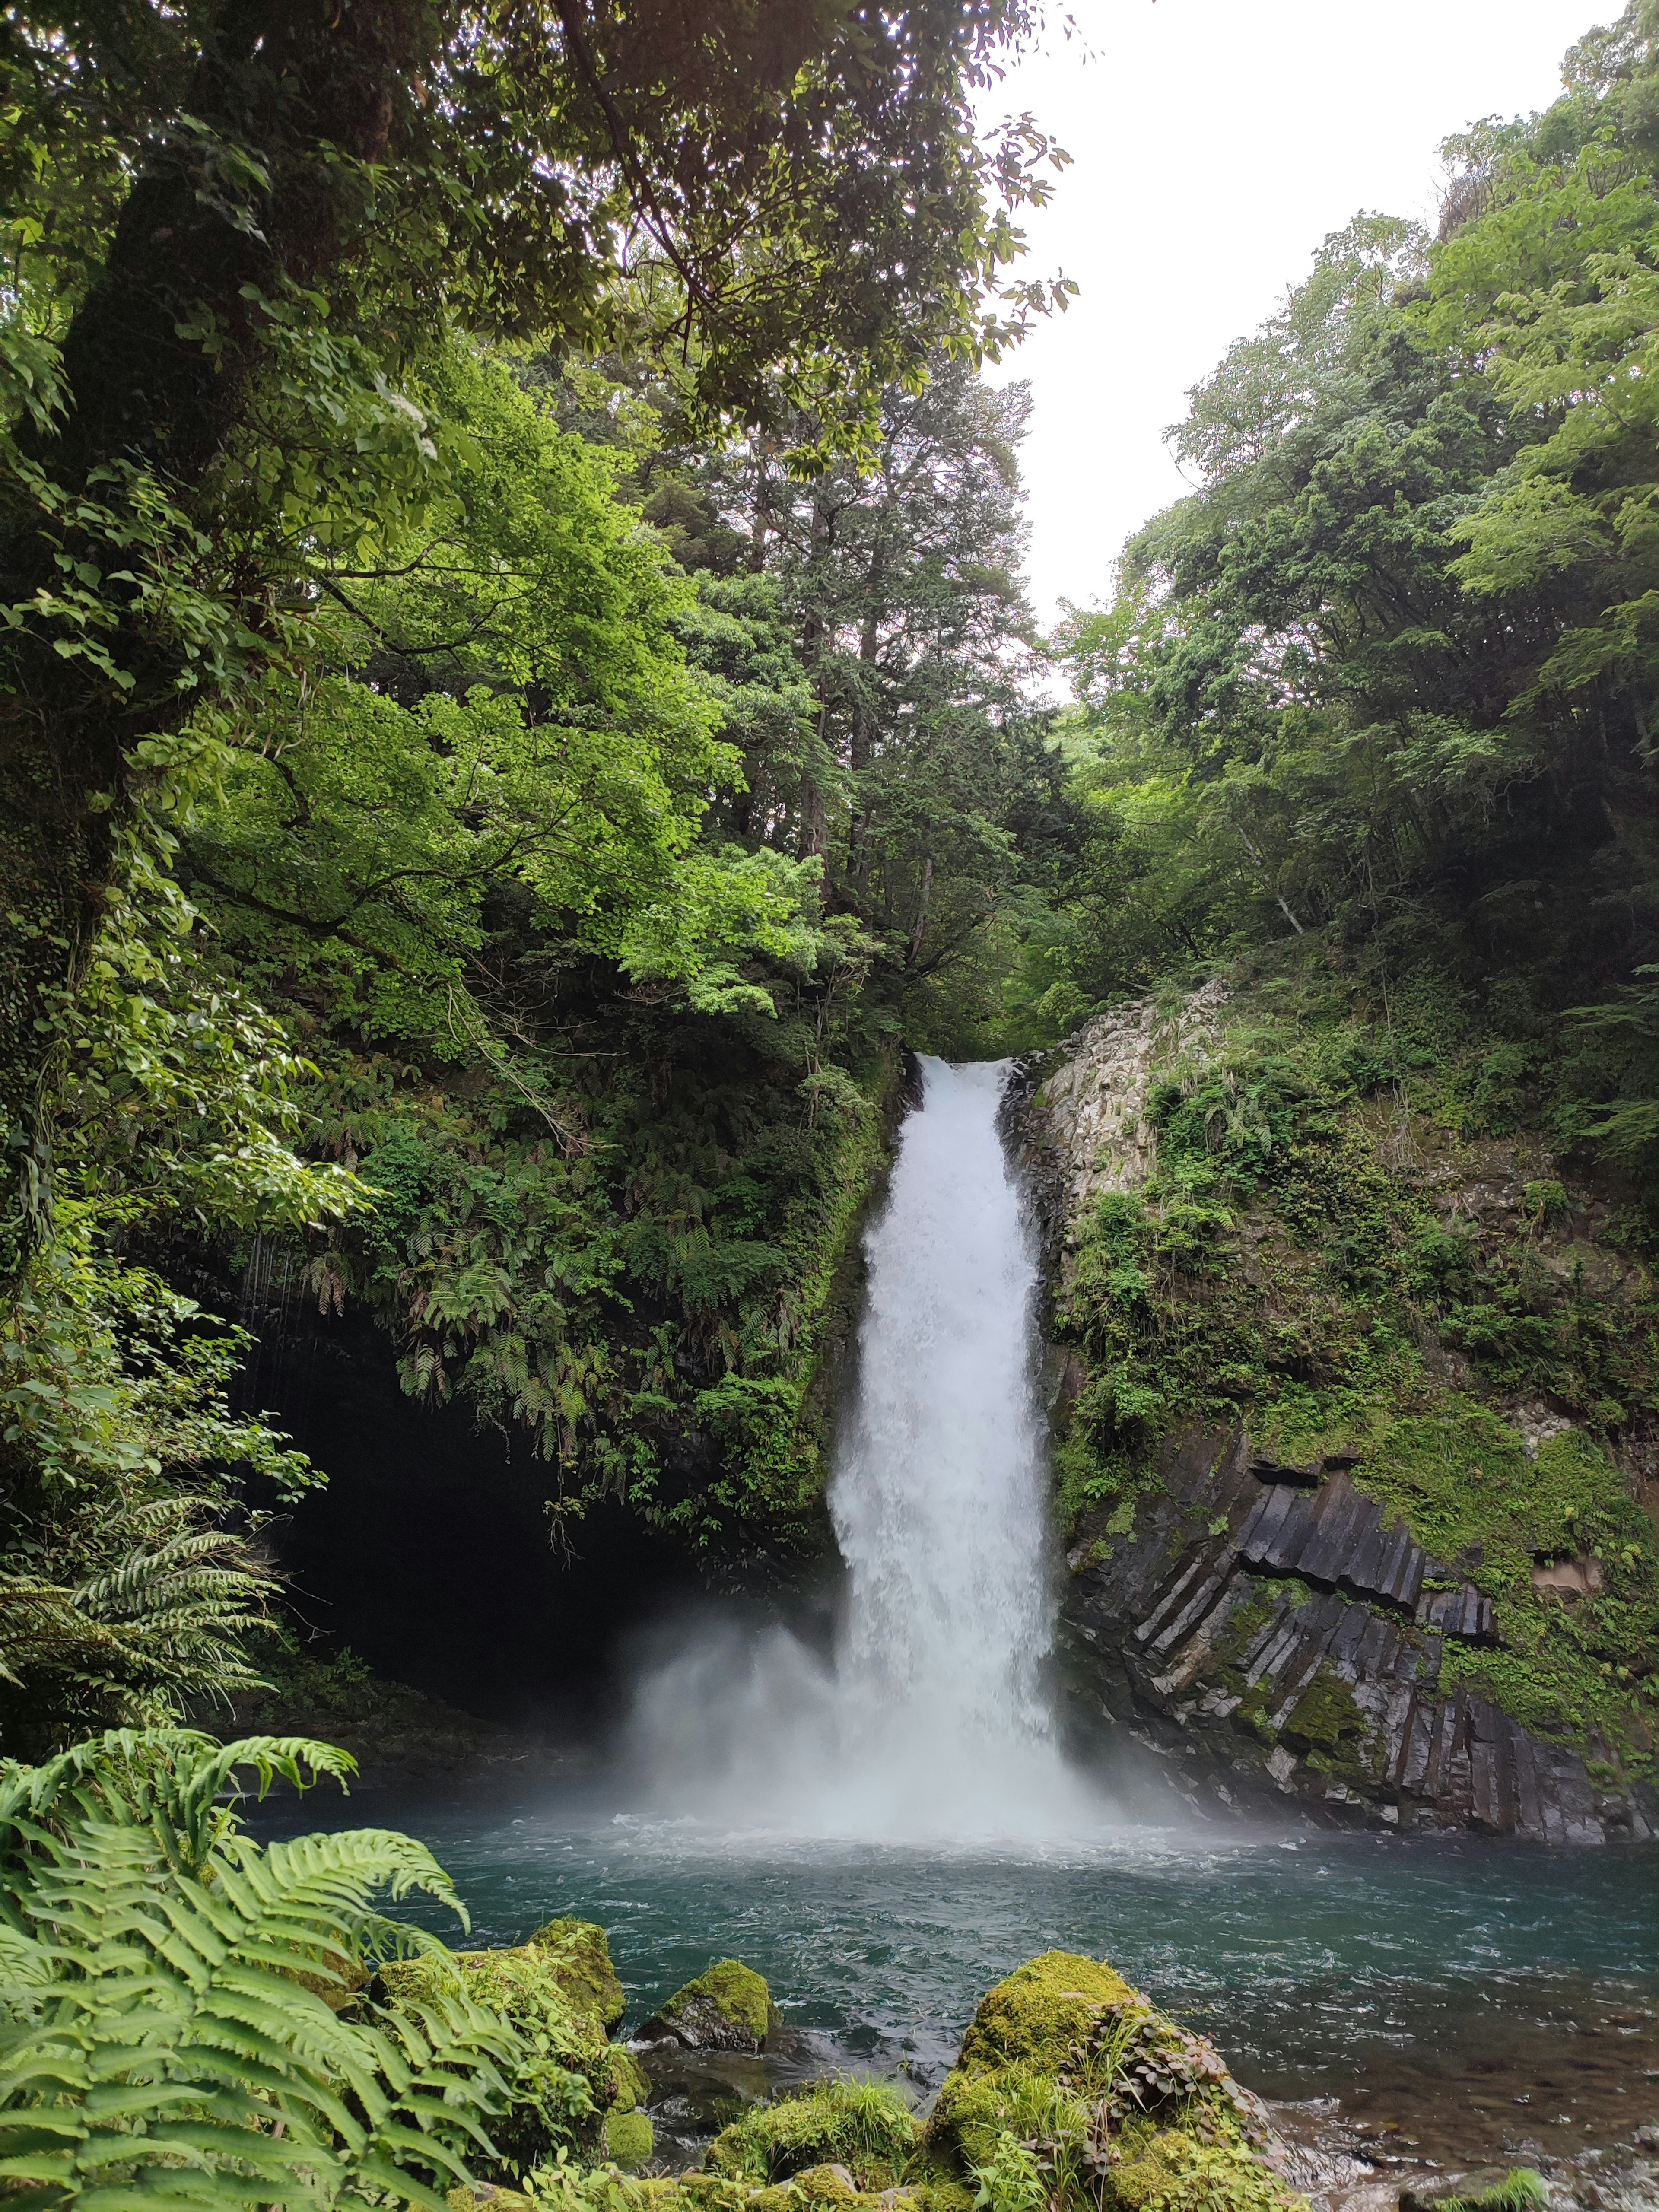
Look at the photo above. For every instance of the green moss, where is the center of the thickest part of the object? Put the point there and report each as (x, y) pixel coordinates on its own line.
(865, 2126)
(629, 2137)
(570, 2076)
(943, 2195)
(819, 2186)
(728, 2005)
(1173, 2174)
(1064, 2056)
(1038, 2015)
(1325, 1716)
(1341, 1192)
(578, 1955)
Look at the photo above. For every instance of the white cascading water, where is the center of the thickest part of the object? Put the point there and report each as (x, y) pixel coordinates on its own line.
(934, 1719)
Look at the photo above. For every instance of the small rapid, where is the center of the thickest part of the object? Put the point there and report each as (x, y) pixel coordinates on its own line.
(933, 1716)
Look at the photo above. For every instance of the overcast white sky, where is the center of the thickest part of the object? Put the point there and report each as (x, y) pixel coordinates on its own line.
(1215, 143)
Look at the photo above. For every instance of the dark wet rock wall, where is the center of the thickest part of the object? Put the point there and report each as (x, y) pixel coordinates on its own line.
(1268, 1635)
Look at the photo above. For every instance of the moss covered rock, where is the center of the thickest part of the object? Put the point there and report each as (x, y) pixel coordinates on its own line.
(485, 2196)
(863, 2129)
(569, 2077)
(815, 2189)
(1168, 2170)
(727, 2008)
(1071, 2086)
(629, 2138)
(580, 1956)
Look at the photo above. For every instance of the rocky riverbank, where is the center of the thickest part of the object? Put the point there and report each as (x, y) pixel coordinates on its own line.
(1071, 2093)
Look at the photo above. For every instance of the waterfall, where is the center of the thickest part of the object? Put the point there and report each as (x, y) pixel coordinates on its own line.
(933, 1719)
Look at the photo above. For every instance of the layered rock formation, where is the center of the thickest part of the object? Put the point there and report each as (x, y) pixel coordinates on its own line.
(1277, 1632)
(1279, 1642)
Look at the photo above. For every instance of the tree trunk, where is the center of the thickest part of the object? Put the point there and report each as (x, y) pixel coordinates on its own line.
(280, 81)
(865, 720)
(923, 905)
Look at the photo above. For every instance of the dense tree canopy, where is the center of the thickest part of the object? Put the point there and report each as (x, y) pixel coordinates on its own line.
(1389, 670)
(238, 233)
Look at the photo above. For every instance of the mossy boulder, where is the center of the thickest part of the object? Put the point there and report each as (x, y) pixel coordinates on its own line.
(629, 2138)
(1169, 2170)
(580, 1955)
(570, 2079)
(1068, 2071)
(863, 2129)
(485, 2196)
(1038, 2015)
(815, 2189)
(727, 2008)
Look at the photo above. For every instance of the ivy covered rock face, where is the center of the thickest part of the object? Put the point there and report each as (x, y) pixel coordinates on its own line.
(727, 2008)
(1072, 2087)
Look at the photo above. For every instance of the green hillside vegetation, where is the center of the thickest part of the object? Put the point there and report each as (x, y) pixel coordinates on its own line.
(432, 630)
(540, 730)
(1367, 733)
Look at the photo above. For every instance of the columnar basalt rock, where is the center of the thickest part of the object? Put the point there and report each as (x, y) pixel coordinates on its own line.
(1297, 1651)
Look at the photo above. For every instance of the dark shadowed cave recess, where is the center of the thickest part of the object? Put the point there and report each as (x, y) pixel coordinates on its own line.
(430, 1553)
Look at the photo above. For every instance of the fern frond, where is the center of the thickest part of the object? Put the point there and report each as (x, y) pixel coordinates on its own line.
(158, 2043)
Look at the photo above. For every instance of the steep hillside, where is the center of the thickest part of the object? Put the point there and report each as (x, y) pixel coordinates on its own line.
(1357, 1393)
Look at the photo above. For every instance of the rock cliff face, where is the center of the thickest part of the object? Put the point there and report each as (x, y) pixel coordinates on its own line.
(1277, 1631)
(1191, 1635)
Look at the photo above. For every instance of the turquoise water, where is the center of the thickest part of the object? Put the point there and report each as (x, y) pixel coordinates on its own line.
(1315, 1961)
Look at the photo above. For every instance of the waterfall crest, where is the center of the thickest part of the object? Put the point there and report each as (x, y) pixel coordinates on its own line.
(933, 1719)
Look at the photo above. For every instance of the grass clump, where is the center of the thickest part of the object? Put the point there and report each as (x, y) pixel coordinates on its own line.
(1522, 2190)
(865, 2126)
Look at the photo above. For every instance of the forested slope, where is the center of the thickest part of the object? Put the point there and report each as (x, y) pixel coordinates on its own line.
(561, 724)
(1366, 739)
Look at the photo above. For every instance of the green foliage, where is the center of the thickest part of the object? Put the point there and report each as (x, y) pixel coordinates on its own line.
(1012, 2180)
(165, 1992)
(564, 2077)
(1522, 2190)
(865, 2126)
(1315, 1229)
(579, 1958)
(1351, 680)
(125, 1592)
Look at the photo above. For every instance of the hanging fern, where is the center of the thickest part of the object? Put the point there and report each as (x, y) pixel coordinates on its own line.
(164, 2033)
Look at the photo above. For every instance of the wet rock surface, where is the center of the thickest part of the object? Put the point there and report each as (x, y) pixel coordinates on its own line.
(1266, 1620)
(728, 2008)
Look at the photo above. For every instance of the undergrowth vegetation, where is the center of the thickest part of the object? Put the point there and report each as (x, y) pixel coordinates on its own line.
(172, 1993)
(1359, 1244)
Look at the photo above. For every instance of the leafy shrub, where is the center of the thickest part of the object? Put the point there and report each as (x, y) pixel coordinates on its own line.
(566, 2077)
